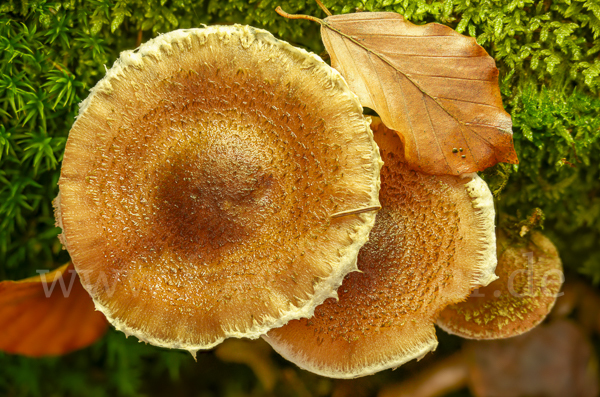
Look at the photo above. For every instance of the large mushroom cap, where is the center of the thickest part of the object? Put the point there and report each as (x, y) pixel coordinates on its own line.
(433, 242)
(199, 184)
(530, 277)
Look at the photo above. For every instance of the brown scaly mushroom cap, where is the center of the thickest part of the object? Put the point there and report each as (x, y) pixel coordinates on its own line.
(200, 185)
(433, 242)
(530, 277)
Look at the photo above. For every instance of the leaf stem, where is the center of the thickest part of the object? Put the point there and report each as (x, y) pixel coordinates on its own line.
(297, 16)
(322, 6)
(139, 38)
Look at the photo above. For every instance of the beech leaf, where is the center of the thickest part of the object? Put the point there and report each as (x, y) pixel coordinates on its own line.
(48, 315)
(436, 88)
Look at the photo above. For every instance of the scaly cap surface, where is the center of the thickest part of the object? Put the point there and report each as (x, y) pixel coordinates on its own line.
(200, 180)
(530, 277)
(433, 242)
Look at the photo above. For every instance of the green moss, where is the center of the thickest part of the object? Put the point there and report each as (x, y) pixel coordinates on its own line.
(113, 366)
(53, 52)
(557, 137)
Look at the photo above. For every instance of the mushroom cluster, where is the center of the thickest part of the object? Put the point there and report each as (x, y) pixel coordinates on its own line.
(220, 183)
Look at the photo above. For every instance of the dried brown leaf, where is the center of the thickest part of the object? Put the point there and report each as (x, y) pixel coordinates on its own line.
(436, 88)
(553, 360)
(48, 316)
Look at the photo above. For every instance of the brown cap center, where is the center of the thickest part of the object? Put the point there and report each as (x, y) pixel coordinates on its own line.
(218, 195)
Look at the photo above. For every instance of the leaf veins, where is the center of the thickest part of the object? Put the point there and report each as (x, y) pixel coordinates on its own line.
(436, 88)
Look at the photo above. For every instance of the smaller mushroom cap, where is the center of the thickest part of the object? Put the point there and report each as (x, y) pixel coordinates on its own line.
(48, 315)
(530, 277)
(433, 242)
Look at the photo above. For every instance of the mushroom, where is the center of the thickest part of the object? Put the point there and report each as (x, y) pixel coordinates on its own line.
(530, 277)
(433, 242)
(205, 182)
(47, 315)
